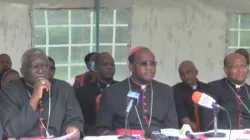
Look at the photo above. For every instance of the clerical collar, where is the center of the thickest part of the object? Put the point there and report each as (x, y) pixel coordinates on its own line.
(235, 85)
(238, 86)
(137, 84)
(102, 85)
(194, 87)
(143, 86)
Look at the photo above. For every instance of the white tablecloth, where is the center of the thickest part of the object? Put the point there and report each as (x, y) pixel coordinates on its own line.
(235, 135)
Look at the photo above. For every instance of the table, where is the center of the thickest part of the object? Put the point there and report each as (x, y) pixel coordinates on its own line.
(235, 135)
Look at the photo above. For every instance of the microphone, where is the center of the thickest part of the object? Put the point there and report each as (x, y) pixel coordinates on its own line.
(154, 133)
(149, 132)
(204, 100)
(186, 131)
(133, 99)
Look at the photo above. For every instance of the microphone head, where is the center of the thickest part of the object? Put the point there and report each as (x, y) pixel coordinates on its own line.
(134, 95)
(149, 130)
(196, 97)
(186, 128)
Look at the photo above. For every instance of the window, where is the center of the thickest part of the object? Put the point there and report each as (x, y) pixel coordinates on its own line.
(68, 35)
(239, 31)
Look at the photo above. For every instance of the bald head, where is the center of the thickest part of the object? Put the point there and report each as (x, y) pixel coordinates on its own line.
(102, 55)
(236, 68)
(188, 72)
(5, 62)
(187, 64)
(105, 66)
(231, 57)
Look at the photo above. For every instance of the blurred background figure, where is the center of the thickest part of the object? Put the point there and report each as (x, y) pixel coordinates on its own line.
(5, 62)
(52, 67)
(8, 76)
(88, 76)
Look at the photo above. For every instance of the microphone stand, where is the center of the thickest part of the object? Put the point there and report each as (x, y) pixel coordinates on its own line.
(215, 134)
(126, 136)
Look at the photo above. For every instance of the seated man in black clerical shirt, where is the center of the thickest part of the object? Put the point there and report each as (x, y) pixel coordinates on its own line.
(233, 93)
(37, 107)
(156, 107)
(187, 111)
(87, 94)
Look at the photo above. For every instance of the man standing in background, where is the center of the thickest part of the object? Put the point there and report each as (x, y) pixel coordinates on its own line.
(80, 80)
(5, 62)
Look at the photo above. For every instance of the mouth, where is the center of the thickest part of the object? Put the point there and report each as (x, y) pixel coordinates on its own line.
(110, 72)
(148, 74)
(241, 75)
(40, 77)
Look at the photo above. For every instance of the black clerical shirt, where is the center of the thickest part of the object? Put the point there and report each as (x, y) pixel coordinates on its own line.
(20, 120)
(184, 105)
(114, 102)
(236, 101)
(86, 96)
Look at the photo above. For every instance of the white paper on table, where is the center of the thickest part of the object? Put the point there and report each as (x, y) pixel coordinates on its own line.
(65, 137)
(110, 137)
(171, 132)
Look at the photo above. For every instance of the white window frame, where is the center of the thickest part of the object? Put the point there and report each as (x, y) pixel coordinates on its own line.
(239, 29)
(91, 44)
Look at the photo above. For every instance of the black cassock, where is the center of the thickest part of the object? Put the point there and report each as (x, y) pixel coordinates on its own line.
(19, 119)
(114, 101)
(86, 96)
(235, 100)
(185, 106)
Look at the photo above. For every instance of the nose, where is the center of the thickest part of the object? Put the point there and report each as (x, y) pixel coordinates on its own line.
(110, 66)
(41, 69)
(149, 67)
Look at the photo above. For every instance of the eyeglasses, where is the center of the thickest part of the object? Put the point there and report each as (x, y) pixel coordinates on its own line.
(37, 67)
(52, 68)
(145, 63)
(237, 66)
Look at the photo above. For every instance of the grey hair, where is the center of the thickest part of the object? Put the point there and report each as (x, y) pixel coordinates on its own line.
(30, 52)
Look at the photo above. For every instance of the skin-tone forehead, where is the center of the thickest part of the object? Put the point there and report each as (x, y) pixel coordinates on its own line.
(31, 58)
(104, 56)
(234, 56)
(186, 65)
(4, 56)
(144, 53)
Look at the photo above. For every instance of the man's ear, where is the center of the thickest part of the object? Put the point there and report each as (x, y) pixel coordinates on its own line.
(225, 70)
(130, 67)
(196, 72)
(22, 71)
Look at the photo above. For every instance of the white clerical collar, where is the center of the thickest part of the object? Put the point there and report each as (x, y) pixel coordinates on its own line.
(143, 86)
(194, 87)
(238, 86)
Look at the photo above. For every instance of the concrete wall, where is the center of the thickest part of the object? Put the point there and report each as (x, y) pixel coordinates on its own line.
(174, 29)
(182, 31)
(15, 31)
